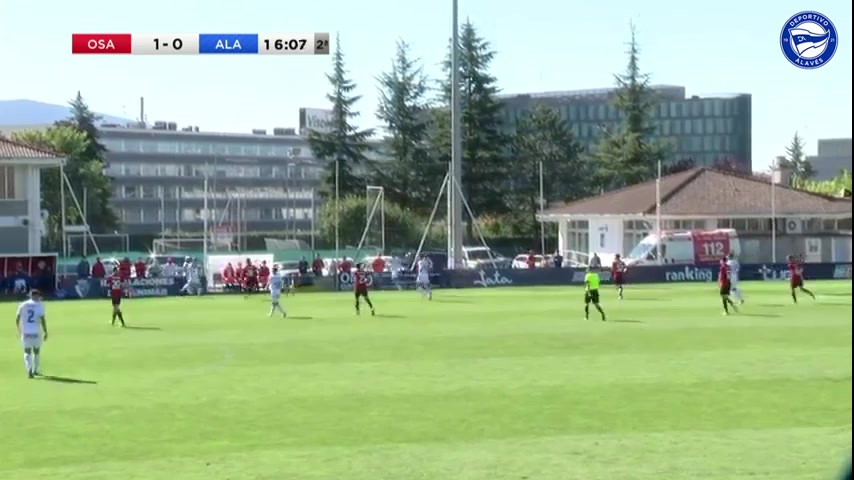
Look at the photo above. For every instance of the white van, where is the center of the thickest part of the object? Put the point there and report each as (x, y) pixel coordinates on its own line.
(480, 257)
(691, 247)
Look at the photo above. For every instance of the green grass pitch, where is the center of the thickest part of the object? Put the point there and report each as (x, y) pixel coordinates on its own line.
(491, 384)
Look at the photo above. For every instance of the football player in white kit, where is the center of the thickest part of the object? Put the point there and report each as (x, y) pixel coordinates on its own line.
(277, 284)
(422, 279)
(734, 268)
(32, 328)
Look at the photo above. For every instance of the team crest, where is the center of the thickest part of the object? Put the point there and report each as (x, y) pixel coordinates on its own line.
(809, 40)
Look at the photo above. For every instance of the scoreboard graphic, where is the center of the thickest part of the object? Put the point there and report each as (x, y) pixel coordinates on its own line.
(200, 44)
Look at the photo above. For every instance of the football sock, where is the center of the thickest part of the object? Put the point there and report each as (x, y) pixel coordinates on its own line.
(28, 362)
(370, 305)
(808, 292)
(620, 291)
(358, 307)
(586, 311)
(601, 312)
(113, 321)
(121, 318)
(794, 296)
(726, 304)
(36, 358)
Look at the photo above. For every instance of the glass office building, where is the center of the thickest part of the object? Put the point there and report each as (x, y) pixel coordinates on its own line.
(266, 183)
(707, 129)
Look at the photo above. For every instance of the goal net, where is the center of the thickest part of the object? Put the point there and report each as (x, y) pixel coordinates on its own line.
(85, 244)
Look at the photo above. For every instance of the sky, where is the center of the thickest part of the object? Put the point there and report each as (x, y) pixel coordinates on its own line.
(725, 46)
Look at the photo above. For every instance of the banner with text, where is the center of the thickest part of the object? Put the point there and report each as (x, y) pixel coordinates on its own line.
(74, 288)
(385, 281)
(654, 274)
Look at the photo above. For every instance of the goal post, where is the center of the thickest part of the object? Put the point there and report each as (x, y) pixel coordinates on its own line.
(374, 232)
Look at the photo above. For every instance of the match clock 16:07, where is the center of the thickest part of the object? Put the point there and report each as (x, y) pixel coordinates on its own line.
(286, 44)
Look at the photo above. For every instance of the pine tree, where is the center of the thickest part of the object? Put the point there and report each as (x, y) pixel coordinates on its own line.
(802, 169)
(90, 165)
(544, 138)
(627, 155)
(411, 177)
(484, 151)
(345, 145)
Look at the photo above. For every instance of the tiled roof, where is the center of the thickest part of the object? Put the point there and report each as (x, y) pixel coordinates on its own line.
(14, 150)
(707, 192)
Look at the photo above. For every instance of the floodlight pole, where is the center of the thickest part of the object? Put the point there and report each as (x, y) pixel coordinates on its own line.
(455, 211)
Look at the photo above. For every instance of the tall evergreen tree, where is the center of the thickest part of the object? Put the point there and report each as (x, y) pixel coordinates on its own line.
(345, 145)
(85, 169)
(484, 150)
(626, 154)
(544, 139)
(411, 177)
(802, 169)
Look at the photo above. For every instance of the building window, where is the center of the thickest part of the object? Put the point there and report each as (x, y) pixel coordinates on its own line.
(730, 125)
(708, 110)
(665, 127)
(133, 169)
(845, 224)
(149, 192)
(696, 109)
(708, 145)
(720, 126)
(673, 110)
(7, 183)
(698, 126)
(170, 192)
(696, 144)
(150, 170)
(168, 147)
(129, 191)
(133, 215)
(717, 143)
(719, 107)
(710, 126)
(591, 112)
(662, 110)
(687, 127)
(603, 112)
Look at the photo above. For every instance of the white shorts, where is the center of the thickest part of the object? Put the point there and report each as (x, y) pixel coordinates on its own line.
(30, 341)
(733, 282)
(423, 280)
(275, 296)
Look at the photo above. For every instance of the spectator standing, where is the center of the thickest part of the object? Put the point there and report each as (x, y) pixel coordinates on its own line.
(558, 259)
(83, 270)
(317, 266)
(139, 268)
(98, 270)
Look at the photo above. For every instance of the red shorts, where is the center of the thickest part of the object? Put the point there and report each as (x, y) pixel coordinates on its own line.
(252, 282)
(117, 299)
(618, 279)
(797, 282)
(361, 291)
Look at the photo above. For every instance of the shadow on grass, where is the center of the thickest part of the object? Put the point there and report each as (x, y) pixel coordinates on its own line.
(56, 379)
(299, 318)
(759, 315)
(137, 327)
(624, 321)
(381, 315)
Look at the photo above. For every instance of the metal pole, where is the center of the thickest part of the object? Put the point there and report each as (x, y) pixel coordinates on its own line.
(382, 219)
(163, 214)
(313, 218)
(62, 215)
(658, 214)
(542, 207)
(337, 236)
(205, 221)
(773, 216)
(457, 141)
(86, 220)
(180, 214)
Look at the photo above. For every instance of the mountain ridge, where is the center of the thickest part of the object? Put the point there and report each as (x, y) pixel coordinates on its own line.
(23, 112)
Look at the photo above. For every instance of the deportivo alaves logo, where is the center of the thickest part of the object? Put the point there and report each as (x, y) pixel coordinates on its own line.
(493, 280)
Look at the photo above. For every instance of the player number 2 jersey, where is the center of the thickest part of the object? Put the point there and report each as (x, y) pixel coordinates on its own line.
(277, 282)
(31, 314)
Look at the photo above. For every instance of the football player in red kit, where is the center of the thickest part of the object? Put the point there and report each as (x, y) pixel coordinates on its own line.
(725, 285)
(360, 288)
(618, 271)
(796, 277)
(116, 284)
(250, 274)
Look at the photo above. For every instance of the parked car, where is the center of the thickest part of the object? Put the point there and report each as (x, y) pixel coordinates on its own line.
(521, 261)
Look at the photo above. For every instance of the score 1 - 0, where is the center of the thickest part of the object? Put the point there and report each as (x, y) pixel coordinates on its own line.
(165, 44)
